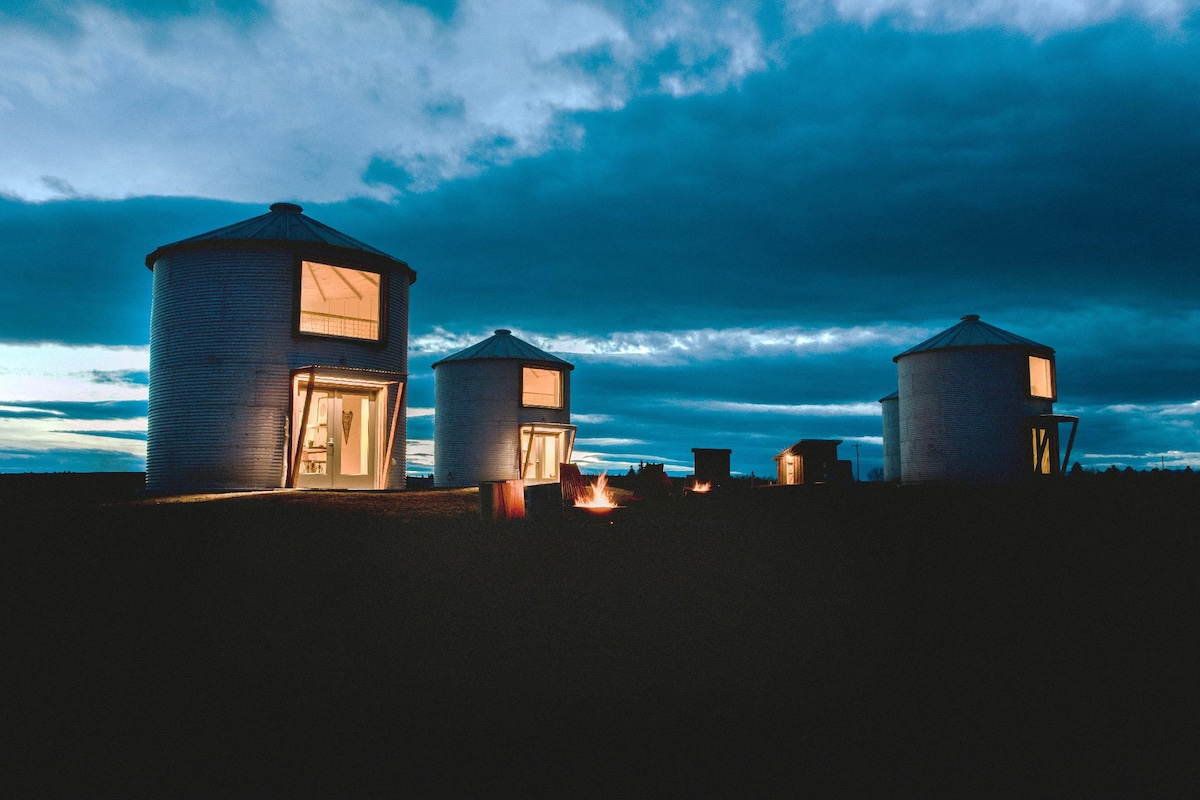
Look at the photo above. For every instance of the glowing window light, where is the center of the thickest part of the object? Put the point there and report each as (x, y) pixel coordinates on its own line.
(1041, 377)
(339, 301)
(541, 387)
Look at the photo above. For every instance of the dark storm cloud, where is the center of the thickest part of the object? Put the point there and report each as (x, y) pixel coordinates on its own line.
(74, 270)
(877, 175)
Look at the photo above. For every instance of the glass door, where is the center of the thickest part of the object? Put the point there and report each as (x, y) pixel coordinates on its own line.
(544, 446)
(354, 446)
(338, 448)
(545, 457)
(315, 441)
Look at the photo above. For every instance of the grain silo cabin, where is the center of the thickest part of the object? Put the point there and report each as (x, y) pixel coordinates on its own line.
(711, 465)
(891, 437)
(975, 404)
(278, 358)
(502, 411)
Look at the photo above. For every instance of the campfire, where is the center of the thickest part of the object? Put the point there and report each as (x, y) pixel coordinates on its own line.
(597, 498)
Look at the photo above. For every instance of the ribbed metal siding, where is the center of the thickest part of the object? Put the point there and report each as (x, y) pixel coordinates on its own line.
(477, 419)
(963, 414)
(891, 438)
(221, 354)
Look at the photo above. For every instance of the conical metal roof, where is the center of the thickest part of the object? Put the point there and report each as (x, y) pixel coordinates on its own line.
(504, 345)
(973, 332)
(284, 224)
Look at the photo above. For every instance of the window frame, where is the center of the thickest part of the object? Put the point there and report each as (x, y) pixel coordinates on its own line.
(297, 299)
(562, 401)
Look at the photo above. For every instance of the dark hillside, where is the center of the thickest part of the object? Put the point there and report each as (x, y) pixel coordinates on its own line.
(858, 640)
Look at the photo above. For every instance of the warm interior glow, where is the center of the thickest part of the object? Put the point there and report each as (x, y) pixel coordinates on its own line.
(338, 444)
(1041, 378)
(339, 301)
(702, 487)
(597, 495)
(314, 436)
(541, 387)
(1043, 457)
(543, 448)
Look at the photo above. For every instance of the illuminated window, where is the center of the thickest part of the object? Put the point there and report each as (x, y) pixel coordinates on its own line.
(339, 301)
(1041, 377)
(541, 387)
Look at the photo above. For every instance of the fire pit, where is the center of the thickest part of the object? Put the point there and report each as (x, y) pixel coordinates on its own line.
(597, 502)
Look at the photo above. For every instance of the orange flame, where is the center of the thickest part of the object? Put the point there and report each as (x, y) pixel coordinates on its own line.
(702, 487)
(598, 496)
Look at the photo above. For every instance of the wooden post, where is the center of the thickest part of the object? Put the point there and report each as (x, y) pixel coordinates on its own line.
(1070, 443)
(528, 452)
(298, 439)
(387, 460)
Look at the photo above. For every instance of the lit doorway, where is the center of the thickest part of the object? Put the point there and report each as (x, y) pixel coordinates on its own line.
(543, 448)
(339, 440)
(1045, 441)
(1045, 451)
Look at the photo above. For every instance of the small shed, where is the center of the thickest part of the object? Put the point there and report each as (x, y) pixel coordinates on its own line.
(975, 404)
(812, 461)
(711, 465)
(502, 411)
(278, 357)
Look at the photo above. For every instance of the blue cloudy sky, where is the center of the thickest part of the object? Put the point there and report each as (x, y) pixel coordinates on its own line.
(729, 215)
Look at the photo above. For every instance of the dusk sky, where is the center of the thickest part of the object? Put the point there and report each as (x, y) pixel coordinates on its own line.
(729, 216)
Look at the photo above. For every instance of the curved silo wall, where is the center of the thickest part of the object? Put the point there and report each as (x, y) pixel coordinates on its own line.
(891, 438)
(477, 419)
(963, 415)
(222, 350)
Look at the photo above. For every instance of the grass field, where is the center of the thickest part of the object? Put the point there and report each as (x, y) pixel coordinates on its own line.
(862, 640)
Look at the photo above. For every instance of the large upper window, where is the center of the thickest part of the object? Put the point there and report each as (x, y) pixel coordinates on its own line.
(339, 301)
(541, 387)
(1041, 377)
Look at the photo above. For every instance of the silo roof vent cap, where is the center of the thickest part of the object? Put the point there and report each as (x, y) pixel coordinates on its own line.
(277, 207)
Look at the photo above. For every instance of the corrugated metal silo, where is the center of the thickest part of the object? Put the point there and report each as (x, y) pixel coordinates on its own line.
(891, 436)
(502, 410)
(278, 356)
(975, 405)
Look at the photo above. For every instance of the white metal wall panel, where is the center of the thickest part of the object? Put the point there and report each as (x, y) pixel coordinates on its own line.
(221, 353)
(477, 419)
(962, 415)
